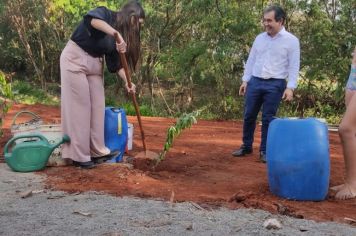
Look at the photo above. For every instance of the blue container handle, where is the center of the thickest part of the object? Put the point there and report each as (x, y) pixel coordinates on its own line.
(114, 109)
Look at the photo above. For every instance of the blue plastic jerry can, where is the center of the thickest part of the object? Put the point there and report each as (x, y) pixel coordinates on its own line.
(116, 131)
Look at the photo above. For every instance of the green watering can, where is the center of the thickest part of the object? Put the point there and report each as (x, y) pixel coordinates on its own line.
(31, 154)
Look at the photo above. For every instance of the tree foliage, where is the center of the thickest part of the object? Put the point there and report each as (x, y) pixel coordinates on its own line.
(193, 49)
(5, 97)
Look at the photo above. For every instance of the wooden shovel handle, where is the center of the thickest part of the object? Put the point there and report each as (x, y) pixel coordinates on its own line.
(128, 78)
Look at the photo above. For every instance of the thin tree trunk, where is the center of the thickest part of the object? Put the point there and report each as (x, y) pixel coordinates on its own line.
(19, 24)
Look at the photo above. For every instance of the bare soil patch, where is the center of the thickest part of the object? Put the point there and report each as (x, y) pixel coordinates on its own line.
(199, 168)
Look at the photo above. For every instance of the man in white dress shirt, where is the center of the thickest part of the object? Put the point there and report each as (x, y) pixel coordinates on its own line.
(271, 74)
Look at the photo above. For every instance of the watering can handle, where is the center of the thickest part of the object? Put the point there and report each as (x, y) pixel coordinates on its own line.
(13, 139)
(22, 112)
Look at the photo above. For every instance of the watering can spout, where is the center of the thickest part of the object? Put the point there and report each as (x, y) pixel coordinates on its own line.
(65, 139)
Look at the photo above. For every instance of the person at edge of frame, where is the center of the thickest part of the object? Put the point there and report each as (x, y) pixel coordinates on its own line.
(82, 88)
(347, 133)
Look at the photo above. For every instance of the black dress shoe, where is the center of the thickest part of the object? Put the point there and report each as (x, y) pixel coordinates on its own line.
(84, 165)
(242, 151)
(263, 157)
(107, 157)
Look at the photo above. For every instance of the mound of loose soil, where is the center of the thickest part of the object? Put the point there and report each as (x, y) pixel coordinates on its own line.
(199, 168)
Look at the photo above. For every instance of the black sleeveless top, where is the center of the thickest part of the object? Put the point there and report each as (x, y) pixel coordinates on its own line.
(95, 42)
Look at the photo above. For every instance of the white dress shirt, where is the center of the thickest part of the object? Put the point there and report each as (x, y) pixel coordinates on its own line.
(274, 57)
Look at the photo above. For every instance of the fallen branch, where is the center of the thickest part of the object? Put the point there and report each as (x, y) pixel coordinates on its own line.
(350, 220)
(26, 194)
(82, 213)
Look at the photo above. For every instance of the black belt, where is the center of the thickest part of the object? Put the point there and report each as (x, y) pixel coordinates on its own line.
(264, 78)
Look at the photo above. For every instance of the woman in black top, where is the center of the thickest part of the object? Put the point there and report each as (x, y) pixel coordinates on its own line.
(82, 89)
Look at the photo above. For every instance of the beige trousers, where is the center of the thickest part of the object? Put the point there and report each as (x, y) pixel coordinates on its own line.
(82, 104)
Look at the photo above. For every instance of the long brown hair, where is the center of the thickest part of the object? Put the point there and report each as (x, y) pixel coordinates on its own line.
(127, 23)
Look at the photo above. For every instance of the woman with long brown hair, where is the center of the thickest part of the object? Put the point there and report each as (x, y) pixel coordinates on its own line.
(82, 89)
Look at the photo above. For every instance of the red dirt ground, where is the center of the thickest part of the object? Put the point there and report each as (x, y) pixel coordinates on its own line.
(199, 168)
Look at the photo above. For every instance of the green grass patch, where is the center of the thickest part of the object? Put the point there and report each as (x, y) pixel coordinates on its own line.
(28, 93)
(129, 108)
(144, 109)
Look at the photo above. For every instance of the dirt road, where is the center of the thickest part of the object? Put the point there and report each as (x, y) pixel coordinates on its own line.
(199, 168)
(47, 212)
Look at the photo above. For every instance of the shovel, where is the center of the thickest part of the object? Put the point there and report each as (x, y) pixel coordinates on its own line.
(146, 153)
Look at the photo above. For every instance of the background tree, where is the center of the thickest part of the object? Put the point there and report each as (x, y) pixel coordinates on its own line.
(193, 50)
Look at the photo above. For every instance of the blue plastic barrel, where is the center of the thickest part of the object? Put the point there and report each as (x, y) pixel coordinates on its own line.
(115, 131)
(298, 160)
